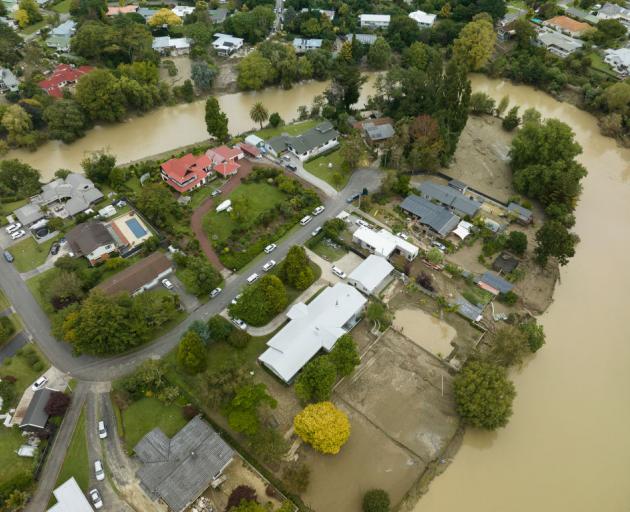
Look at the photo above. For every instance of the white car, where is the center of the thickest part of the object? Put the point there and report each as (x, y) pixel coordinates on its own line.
(269, 265)
(98, 470)
(239, 323)
(102, 431)
(402, 235)
(338, 272)
(13, 227)
(253, 278)
(361, 222)
(96, 499)
(316, 231)
(39, 383)
(305, 220)
(215, 292)
(18, 234)
(167, 284)
(318, 210)
(439, 245)
(270, 248)
(235, 299)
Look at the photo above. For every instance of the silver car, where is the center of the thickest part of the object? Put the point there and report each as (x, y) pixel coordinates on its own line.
(95, 496)
(99, 473)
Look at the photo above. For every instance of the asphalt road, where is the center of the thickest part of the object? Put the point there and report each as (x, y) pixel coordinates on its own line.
(91, 368)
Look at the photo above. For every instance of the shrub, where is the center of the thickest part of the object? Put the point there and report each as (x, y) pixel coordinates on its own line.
(191, 354)
(261, 302)
(481, 103)
(38, 366)
(297, 477)
(516, 242)
(345, 355)
(323, 426)
(240, 493)
(508, 298)
(219, 328)
(57, 404)
(424, 280)
(189, 412)
(315, 382)
(238, 338)
(296, 271)
(376, 500)
(7, 392)
(6, 328)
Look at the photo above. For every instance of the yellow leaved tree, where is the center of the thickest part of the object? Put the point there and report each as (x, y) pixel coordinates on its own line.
(164, 17)
(323, 426)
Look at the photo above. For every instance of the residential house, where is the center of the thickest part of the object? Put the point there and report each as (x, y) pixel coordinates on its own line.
(225, 159)
(93, 241)
(187, 173)
(63, 75)
(59, 37)
(166, 45)
(371, 275)
(615, 12)
(376, 131)
(313, 327)
(113, 10)
(306, 45)
(249, 150)
(183, 10)
(449, 197)
(129, 232)
(557, 43)
(226, 44)
(368, 39)
(505, 26)
(178, 470)
(311, 143)
(374, 20)
(522, 214)
(460, 186)
(493, 283)
(255, 140)
(383, 243)
(146, 12)
(36, 418)
(468, 310)
(139, 277)
(70, 498)
(619, 60)
(505, 263)
(568, 26)
(330, 14)
(8, 81)
(435, 217)
(581, 14)
(423, 19)
(218, 15)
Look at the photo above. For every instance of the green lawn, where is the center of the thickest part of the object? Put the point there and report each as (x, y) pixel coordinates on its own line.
(4, 303)
(62, 7)
(201, 194)
(8, 208)
(29, 254)
(598, 64)
(476, 295)
(77, 464)
(10, 464)
(34, 286)
(320, 167)
(19, 368)
(292, 129)
(31, 29)
(148, 413)
(327, 252)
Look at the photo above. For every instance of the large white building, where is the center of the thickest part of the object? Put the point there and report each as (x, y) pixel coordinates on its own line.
(313, 327)
(619, 60)
(371, 274)
(423, 19)
(70, 498)
(383, 243)
(226, 44)
(375, 20)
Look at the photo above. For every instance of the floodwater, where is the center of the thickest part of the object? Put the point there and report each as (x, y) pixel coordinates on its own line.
(168, 128)
(426, 331)
(567, 446)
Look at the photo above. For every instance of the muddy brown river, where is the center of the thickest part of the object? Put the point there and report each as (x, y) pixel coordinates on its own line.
(567, 446)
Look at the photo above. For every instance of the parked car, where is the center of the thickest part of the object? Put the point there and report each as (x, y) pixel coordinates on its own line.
(286, 158)
(338, 272)
(215, 193)
(96, 499)
(239, 323)
(253, 278)
(18, 234)
(13, 227)
(269, 265)
(102, 431)
(167, 284)
(402, 235)
(353, 198)
(215, 292)
(439, 245)
(235, 299)
(8, 256)
(121, 203)
(98, 470)
(318, 210)
(316, 231)
(292, 167)
(270, 248)
(361, 222)
(54, 248)
(39, 383)
(305, 220)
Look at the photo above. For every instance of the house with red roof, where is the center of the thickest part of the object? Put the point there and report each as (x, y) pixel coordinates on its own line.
(188, 172)
(252, 151)
(225, 159)
(62, 76)
(113, 10)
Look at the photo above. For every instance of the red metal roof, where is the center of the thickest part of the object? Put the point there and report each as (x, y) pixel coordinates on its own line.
(63, 75)
(249, 149)
(225, 152)
(186, 167)
(227, 168)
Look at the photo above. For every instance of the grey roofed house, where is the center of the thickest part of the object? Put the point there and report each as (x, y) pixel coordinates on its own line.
(492, 280)
(437, 217)
(368, 39)
(468, 310)
(558, 43)
(29, 214)
(313, 138)
(67, 28)
(523, 214)
(581, 14)
(36, 417)
(178, 470)
(77, 191)
(146, 13)
(505, 263)
(305, 45)
(449, 197)
(8, 81)
(88, 236)
(460, 186)
(378, 133)
(218, 15)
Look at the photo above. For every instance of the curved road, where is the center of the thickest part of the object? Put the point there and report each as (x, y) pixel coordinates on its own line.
(91, 368)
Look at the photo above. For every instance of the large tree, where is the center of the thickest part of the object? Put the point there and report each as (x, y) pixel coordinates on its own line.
(9, 41)
(380, 54)
(555, 240)
(261, 302)
(17, 123)
(18, 180)
(475, 43)
(156, 202)
(296, 270)
(98, 166)
(345, 355)
(198, 275)
(203, 75)
(66, 121)
(323, 426)
(254, 72)
(316, 380)
(100, 95)
(164, 17)
(243, 409)
(345, 88)
(216, 120)
(191, 354)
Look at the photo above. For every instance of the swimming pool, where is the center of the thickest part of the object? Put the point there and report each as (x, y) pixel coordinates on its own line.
(136, 228)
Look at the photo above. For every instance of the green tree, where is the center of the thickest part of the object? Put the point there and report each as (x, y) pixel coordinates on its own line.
(100, 96)
(199, 276)
(345, 355)
(255, 72)
(555, 240)
(216, 120)
(484, 395)
(316, 380)
(219, 328)
(380, 54)
(66, 121)
(253, 26)
(608, 32)
(164, 17)
(191, 354)
(98, 166)
(511, 120)
(435, 256)
(157, 204)
(258, 113)
(261, 302)
(352, 150)
(376, 500)
(345, 88)
(509, 347)
(617, 97)
(475, 43)
(503, 105)
(323, 426)
(203, 75)
(481, 103)
(8, 43)
(17, 123)
(32, 10)
(517, 242)
(275, 120)
(296, 270)
(243, 410)
(535, 334)
(18, 179)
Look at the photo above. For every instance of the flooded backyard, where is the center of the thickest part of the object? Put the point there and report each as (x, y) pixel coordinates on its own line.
(426, 331)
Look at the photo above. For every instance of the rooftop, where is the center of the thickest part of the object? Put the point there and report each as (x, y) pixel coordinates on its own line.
(35, 415)
(449, 197)
(70, 498)
(569, 24)
(437, 217)
(66, 28)
(136, 276)
(468, 310)
(423, 18)
(522, 212)
(113, 10)
(218, 15)
(565, 43)
(495, 282)
(309, 140)
(371, 272)
(383, 18)
(365, 38)
(62, 75)
(88, 236)
(384, 242)
(378, 132)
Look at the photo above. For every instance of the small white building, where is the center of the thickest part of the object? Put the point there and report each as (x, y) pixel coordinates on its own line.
(8, 81)
(619, 60)
(423, 19)
(226, 44)
(306, 45)
(383, 243)
(70, 498)
(183, 10)
(371, 274)
(171, 46)
(375, 20)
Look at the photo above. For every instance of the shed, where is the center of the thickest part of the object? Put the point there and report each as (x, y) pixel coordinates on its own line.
(70, 498)
(523, 215)
(370, 274)
(505, 263)
(36, 416)
(468, 310)
(493, 283)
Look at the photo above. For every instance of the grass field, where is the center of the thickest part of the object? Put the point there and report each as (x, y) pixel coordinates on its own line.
(320, 167)
(598, 64)
(62, 7)
(4, 303)
(201, 194)
(327, 252)
(7, 208)
(29, 254)
(10, 464)
(34, 286)
(148, 413)
(292, 129)
(19, 368)
(77, 463)
(31, 29)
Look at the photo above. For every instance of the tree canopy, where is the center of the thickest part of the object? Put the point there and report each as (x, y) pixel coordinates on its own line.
(323, 426)
(18, 180)
(316, 380)
(345, 355)
(475, 43)
(216, 120)
(191, 354)
(296, 270)
(261, 302)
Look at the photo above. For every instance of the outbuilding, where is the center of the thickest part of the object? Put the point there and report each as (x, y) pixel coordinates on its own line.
(371, 275)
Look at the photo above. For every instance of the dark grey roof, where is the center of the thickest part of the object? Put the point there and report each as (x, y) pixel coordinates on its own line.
(29, 213)
(458, 185)
(468, 310)
(523, 213)
(178, 470)
(505, 263)
(313, 138)
(496, 281)
(35, 415)
(86, 237)
(279, 143)
(438, 218)
(449, 197)
(378, 132)
(218, 15)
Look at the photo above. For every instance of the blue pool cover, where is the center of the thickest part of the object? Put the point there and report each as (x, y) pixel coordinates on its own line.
(136, 228)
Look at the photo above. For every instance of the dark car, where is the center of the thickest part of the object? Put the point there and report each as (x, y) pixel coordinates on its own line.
(54, 248)
(8, 256)
(292, 167)
(353, 198)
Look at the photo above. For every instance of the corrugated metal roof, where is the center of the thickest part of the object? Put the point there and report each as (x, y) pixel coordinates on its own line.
(437, 217)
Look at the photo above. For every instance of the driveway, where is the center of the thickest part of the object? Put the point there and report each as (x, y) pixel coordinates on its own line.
(302, 173)
(57, 380)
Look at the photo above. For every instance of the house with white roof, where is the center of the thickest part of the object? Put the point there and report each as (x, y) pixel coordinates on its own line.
(371, 275)
(306, 45)
(70, 498)
(383, 243)
(423, 19)
(619, 60)
(374, 20)
(166, 45)
(313, 327)
(183, 10)
(8, 81)
(615, 12)
(226, 44)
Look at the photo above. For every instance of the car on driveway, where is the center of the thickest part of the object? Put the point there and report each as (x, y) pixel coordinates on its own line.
(98, 470)
(39, 383)
(286, 158)
(102, 431)
(338, 272)
(8, 256)
(54, 248)
(215, 292)
(318, 210)
(292, 167)
(270, 248)
(18, 234)
(269, 265)
(305, 220)
(96, 499)
(361, 222)
(239, 323)
(215, 193)
(439, 245)
(353, 198)
(167, 284)
(13, 227)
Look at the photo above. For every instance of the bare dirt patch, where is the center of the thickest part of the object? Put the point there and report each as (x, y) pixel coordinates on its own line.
(183, 64)
(428, 332)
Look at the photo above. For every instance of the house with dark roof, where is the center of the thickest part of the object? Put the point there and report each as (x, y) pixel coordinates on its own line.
(8, 81)
(92, 240)
(140, 276)
(377, 130)
(36, 418)
(449, 197)
(468, 310)
(505, 263)
(178, 470)
(311, 143)
(522, 214)
(493, 283)
(436, 217)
